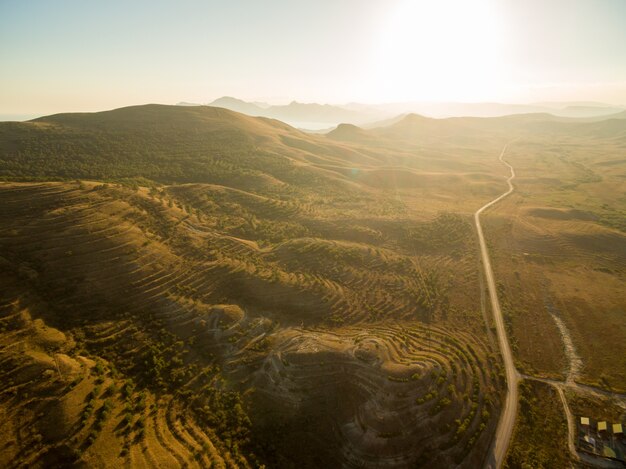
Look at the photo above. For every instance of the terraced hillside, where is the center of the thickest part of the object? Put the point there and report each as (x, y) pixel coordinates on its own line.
(396, 396)
(112, 385)
(160, 290)
(188, 286)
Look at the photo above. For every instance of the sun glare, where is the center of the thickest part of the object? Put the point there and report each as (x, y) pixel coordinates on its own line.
(439, 50)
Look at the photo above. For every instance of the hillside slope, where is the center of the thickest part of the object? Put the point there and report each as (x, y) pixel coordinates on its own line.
(151, 294)
(196, 286)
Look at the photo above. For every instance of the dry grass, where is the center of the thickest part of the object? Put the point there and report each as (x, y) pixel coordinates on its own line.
(560, 249)
(244, 287)
(168, 284)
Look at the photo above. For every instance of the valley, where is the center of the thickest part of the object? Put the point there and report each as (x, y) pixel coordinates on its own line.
(199, 287)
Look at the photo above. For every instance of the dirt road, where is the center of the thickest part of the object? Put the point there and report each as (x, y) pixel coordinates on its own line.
(506, 423)
(502, 438)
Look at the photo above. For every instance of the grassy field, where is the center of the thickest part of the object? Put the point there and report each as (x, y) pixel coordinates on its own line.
(200, 287)
(560, 248)
(598, 408)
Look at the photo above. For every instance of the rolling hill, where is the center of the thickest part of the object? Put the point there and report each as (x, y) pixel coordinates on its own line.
(195, 286)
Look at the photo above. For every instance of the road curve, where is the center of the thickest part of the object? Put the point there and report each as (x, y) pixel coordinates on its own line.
(501, 440)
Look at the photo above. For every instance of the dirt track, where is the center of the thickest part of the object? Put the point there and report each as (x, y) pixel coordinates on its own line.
(504, 431)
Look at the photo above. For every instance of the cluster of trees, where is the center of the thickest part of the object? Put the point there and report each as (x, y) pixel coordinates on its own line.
(121, 148)
(109, 152)
(540, 419)
(448, 231)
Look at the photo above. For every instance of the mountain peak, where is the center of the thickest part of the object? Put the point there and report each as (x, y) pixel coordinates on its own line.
(228, 99)
(348, 132)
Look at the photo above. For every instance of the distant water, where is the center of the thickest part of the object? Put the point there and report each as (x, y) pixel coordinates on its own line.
(18, 117)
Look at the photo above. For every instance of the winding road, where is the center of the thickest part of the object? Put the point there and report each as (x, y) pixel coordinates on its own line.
(506, 423)
(499, 446)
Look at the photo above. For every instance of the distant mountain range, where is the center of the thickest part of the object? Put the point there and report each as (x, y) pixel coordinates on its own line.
(303, 115)
(314, 116)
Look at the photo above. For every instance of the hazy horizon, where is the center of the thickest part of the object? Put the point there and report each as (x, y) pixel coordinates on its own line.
(375, 234)
(606, 109)
(89, 57)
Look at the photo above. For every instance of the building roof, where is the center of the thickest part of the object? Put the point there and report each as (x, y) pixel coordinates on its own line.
(617, 428)
(584, 420)
(601, 426)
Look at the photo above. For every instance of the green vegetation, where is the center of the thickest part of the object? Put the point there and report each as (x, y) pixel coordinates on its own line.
(199, 287)
(540, 438)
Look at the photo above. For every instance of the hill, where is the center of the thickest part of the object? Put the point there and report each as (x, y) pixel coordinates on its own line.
(470, 130)
(239, 105)
(192, 285)
(180, 144)
(164, 143)
(220, 267)
(349, 132)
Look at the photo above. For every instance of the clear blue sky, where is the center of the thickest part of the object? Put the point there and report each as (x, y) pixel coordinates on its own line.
(91, 55)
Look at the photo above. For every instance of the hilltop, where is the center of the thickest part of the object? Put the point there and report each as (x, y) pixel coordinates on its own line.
(221, 267)
(165, 143)
(198, 286)
(180, 144)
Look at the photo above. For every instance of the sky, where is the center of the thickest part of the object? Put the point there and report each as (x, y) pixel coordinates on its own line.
(58, 56)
